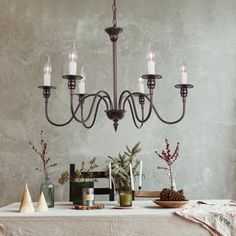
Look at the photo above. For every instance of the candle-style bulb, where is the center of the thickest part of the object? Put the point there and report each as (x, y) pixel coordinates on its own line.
(184, 75)
(73, 61)
(183, 68)
(151, 56)
(47, 73)
(48, 67)
(73, 54)
(151, 61)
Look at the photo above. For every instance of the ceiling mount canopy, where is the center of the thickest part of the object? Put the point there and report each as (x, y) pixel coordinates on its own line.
(115, 106)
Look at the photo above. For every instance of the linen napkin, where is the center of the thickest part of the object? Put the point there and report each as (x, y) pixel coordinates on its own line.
(218, 218)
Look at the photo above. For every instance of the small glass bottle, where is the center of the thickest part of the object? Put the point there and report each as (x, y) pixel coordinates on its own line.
(47, 187)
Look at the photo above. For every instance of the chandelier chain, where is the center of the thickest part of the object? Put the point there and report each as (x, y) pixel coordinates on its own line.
(114, 21)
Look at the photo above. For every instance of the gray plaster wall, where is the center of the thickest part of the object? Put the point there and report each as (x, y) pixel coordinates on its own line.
(201, 33)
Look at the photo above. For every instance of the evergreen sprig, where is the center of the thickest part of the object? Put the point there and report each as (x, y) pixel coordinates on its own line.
(120, 170)
(79, 173)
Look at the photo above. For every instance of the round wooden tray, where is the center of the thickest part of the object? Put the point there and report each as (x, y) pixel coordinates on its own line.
(94, 207)
(170, 204)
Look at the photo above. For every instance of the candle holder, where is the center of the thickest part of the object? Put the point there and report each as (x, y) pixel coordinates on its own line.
(46, 90)
(72, 80)
(151, 81)
(184, 89)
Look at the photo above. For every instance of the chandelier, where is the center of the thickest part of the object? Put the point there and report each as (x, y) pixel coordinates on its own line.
(115, 106)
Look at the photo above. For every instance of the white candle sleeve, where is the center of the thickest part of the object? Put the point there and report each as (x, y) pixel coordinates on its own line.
(184, 78)
(72, 67)
(140, 174)
(82, 86)
(109, 169)
(131, 177)
(47, 79)
(151, 67)
(141, 85)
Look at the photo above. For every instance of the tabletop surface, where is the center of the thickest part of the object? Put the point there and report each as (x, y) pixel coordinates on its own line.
(66, 209)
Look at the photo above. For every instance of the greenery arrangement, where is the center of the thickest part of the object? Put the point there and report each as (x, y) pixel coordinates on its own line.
(120, 170)
(80, 173)
(169, 159)
(42, 152)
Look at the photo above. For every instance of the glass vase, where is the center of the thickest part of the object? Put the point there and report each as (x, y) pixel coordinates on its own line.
(47, 187)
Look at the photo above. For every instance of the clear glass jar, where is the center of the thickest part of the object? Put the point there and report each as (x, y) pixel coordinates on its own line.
(125, 196)
(47, 187)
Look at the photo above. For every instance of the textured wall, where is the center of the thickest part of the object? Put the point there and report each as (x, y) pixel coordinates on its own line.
(201, 33)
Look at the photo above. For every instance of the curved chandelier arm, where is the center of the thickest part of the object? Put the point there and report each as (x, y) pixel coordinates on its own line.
(131, 96)
(133, 116)
(53, 123)
(82, 98)
(170, 122)
(95, 115)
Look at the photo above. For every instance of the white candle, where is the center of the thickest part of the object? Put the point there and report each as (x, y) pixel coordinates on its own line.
(140, 173)
(184, 76)
(47, 73)
(151, 63)
(131, 177)
(109, 169)
(73, 61)
(141, 85)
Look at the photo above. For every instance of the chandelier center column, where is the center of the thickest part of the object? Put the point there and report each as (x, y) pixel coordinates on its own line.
(113, 33)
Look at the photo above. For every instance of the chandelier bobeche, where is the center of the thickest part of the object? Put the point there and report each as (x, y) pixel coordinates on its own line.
(115, 106)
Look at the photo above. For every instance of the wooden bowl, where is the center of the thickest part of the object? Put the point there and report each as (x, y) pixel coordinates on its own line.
(170, 204)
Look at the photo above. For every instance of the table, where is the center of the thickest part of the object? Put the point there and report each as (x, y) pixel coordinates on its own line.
(145, 218)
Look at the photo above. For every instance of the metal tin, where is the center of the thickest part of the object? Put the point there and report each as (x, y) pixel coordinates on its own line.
(88, 196)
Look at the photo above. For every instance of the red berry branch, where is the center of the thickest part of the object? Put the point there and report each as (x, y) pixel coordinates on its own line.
(43, 155)
(169, 159)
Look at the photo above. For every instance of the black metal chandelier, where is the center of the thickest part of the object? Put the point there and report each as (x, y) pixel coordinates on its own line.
(116, 106)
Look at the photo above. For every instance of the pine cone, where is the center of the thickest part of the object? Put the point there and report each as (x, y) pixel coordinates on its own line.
(171, 195)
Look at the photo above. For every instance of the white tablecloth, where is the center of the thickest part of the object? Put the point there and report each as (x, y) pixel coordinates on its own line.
(145, 218)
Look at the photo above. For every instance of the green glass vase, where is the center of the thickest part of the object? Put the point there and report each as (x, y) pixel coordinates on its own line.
(47, 187)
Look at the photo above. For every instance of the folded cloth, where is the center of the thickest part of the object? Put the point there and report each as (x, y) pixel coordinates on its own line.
(218, 219)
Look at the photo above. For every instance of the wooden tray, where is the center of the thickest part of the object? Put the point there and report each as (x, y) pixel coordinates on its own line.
(170, 204)
(94, 207)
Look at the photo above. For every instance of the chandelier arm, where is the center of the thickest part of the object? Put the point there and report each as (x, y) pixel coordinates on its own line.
(133, 116)
(94, 118)
(104, 97)
(51, 122)
(81, 102)
(130, 96)
(170, 122)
